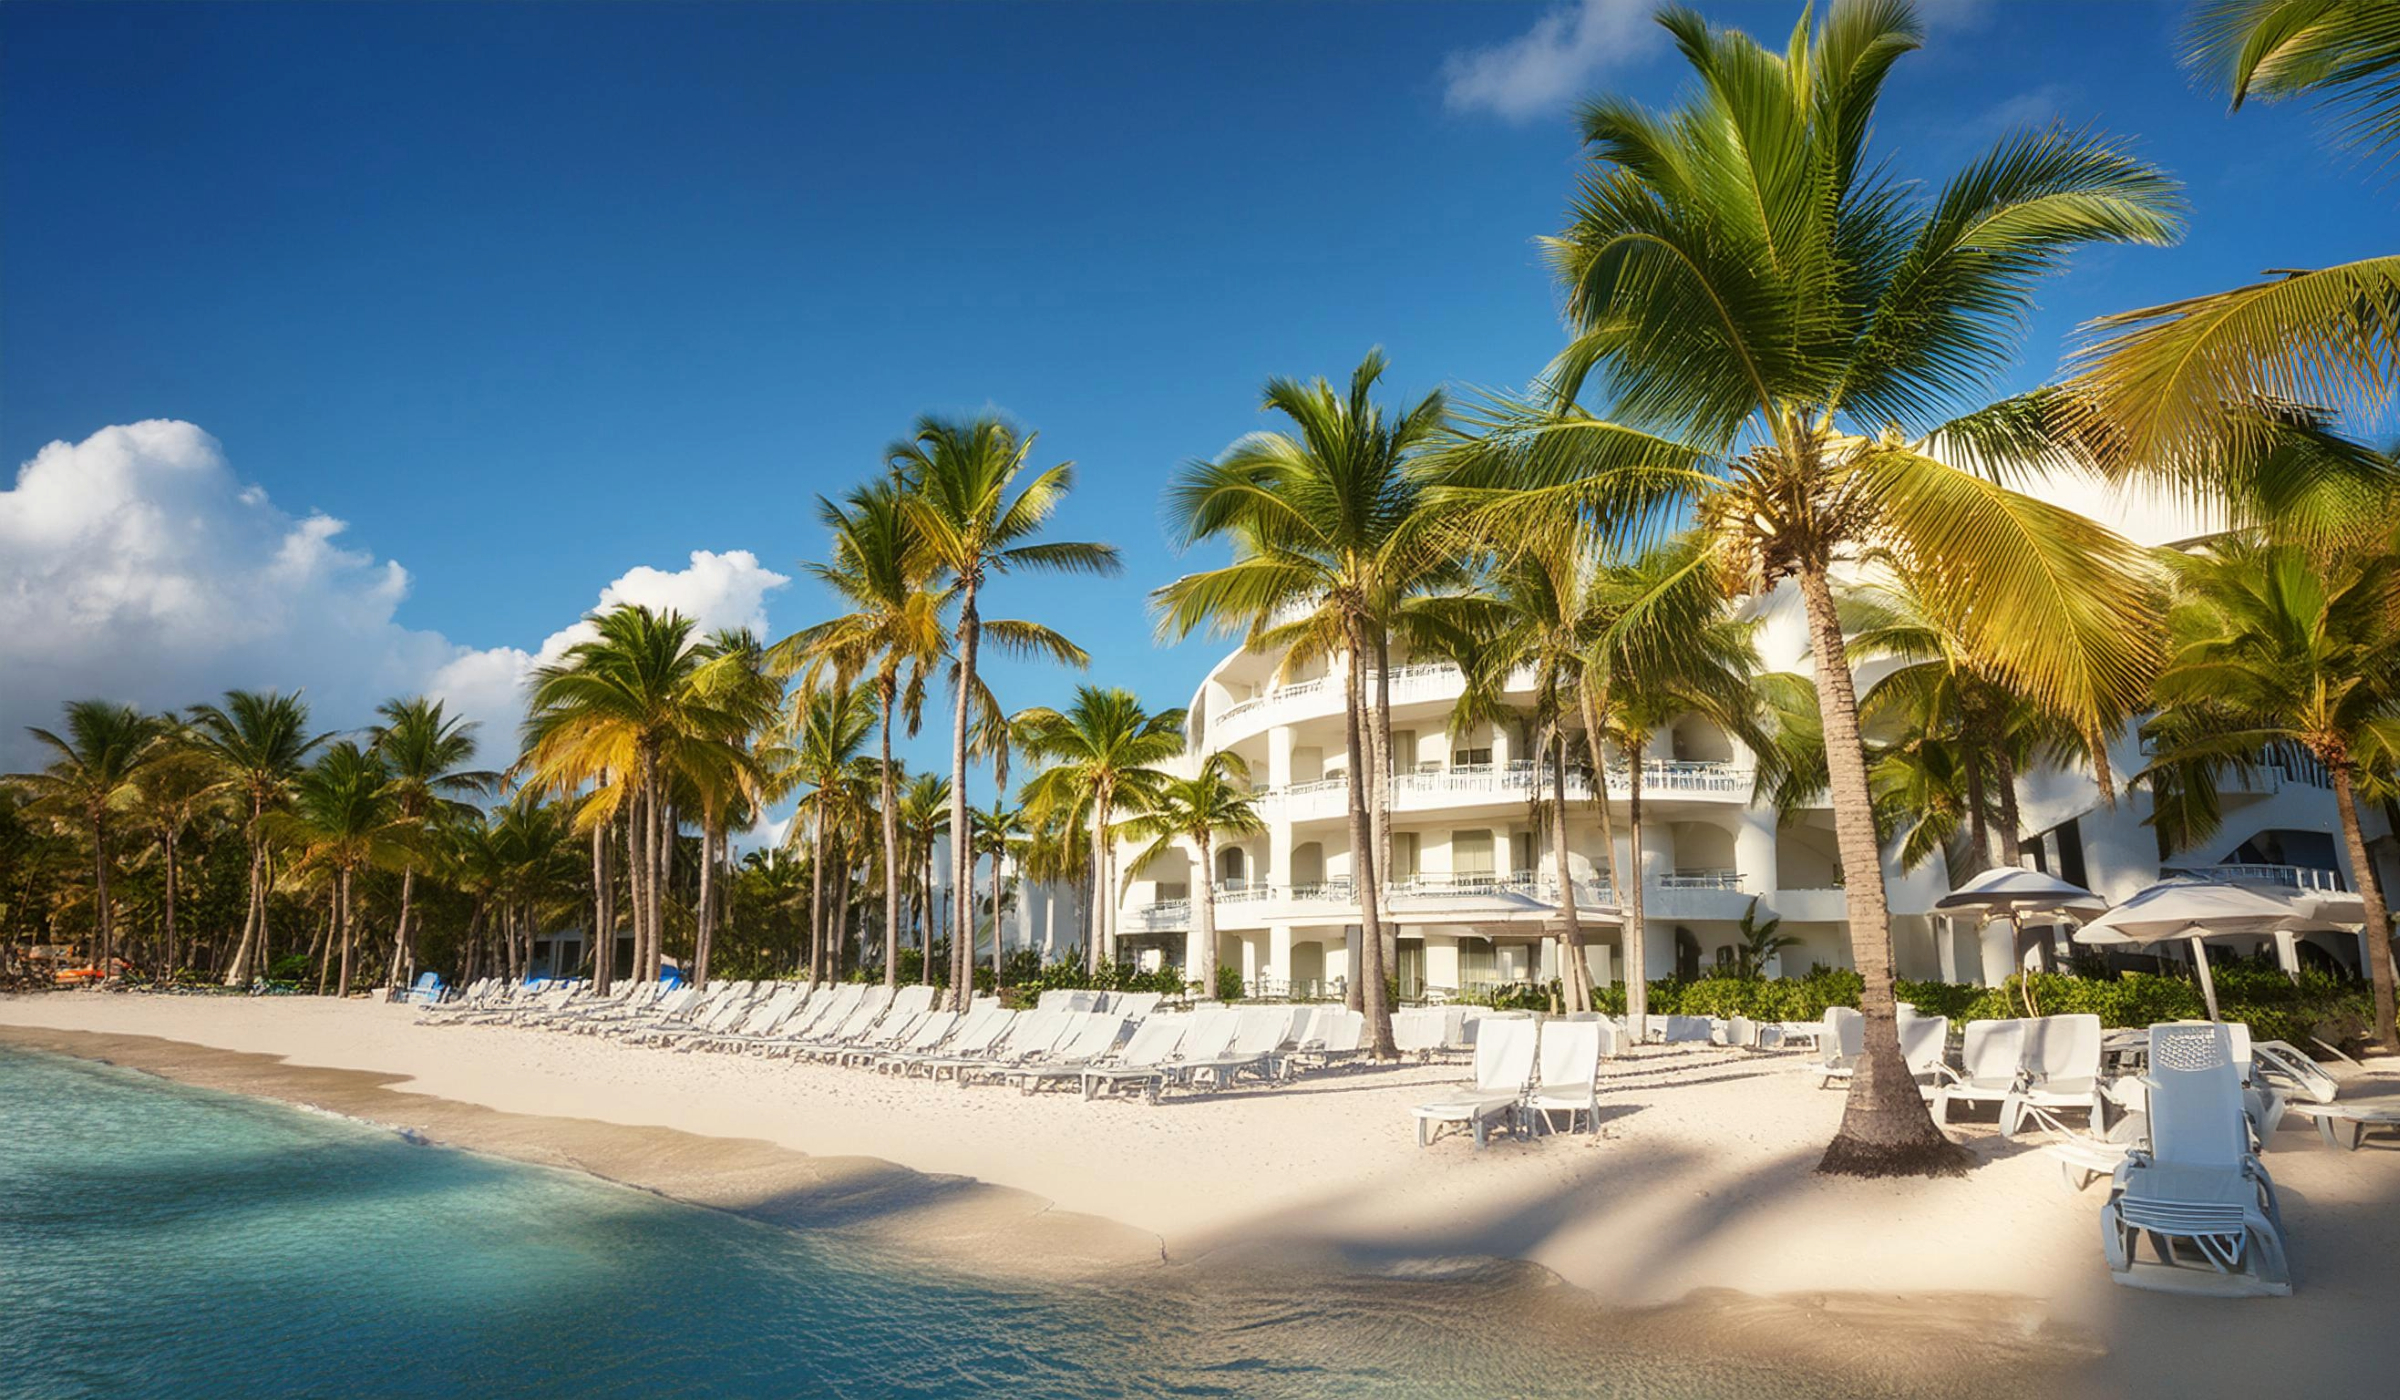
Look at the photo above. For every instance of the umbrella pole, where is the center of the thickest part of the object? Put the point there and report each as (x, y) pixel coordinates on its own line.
(2208, 981)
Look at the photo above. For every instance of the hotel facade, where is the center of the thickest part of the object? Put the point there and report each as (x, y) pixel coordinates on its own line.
(1471, 898)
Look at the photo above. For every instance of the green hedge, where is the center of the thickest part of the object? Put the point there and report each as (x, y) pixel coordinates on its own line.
(2336, 1010)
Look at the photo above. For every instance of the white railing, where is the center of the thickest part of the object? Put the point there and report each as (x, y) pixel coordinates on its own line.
(1524, 778)
(2304, 877)
(1701, 880)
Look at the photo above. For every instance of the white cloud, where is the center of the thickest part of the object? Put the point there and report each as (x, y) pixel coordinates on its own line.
(1542, 70)
(134, 565)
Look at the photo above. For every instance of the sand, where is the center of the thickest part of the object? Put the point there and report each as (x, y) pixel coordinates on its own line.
(1696, 1196)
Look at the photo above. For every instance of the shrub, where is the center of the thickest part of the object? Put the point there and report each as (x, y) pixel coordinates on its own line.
(1229, 983)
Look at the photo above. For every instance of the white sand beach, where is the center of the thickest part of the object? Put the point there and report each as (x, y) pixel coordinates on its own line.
(1699, 1180)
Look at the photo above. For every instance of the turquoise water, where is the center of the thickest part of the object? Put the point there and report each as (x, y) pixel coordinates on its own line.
(159, 1240)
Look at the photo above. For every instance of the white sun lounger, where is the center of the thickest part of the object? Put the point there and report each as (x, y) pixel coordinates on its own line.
(1567, 1074)
(1841, 1039)
(1988, 1063)
(1154, 1042)
(1034, 1035)
(967, 1045)
(2196, 1193)
(1094, 1043)
(1259, 1033)
(2060, 1070)
(1504, 1063)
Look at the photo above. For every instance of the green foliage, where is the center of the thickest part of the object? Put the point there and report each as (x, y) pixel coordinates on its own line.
(2258, 994)
(1229, 983)
(1070, 975)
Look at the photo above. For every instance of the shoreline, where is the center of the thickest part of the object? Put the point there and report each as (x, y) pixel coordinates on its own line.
(1659, 1226)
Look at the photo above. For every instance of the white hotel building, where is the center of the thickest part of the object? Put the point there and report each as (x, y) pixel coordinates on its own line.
(1473, 896)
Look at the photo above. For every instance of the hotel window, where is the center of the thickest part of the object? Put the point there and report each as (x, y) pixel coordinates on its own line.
(1471, 853)
(1404, 855)
(1473, 750)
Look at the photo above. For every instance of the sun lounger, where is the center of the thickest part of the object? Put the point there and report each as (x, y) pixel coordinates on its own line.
(1988, 1064)
(1841, 1039)
(969, 1045)
(1259, 1033)
(2060, 1070)
(1154, 1042)
(836, 1011)
(1504, 1064)
(1133, 1006)
(2196, 1192)
(908, 1007)
(928, 1031)
(1032, 1036)
(1567, 1074)
(864, 1015)
(1093, 1043)
(758, 1024)
(1334, 1034)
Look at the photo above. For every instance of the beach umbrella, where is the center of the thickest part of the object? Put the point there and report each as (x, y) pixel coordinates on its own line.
(2194, 911)
(2005, 895)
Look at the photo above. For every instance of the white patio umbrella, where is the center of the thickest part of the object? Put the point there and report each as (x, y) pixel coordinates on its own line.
(2195, 911)
(2006, 894)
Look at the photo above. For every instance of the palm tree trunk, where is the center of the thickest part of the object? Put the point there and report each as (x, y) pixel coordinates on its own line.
(402, 961)
(237, 974)
(604, 923)
(1979, 826)
(1096, 915)
(174, 872)
(891, 848)
(1637, 995)
(322, 953)
(962, 843)
(342, 897)
(2004, 773)
(817, 883)
(104, 940)
(635, 903)
(1379, 738)
(665, 847)
(1637, 922)
(2370, 894)
(704, 922)
(1573, 980)
(925, 917)
(999, 861)
(1204, 918)
(1886, 1128)
(1372, 1000)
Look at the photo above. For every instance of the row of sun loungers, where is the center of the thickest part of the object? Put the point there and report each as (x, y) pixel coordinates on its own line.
(1527, 1071)
(1098, 1043)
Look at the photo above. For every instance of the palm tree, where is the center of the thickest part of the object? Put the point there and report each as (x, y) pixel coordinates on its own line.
(994, 736)
(829, 726)
(730, 769)
(2274, 652)
(258, 741)
(617, 714)
(426, 751)
(1330, 536)
(1000, 833)
(1214, 799)
(975, 521)
(2202, 390)
(1104, 753)
(1792, 342)
(176, 791)
(346, 815)
(88, 784)
(894, 629)
(924, 819)
(2344, 53)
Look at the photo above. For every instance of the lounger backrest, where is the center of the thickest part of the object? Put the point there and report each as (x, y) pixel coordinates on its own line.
(1504, 1053)
(1135, 1005)
(1263, 1030)
(1211, 1033)
(1924, 1040)
(1570, 1058)
(1417, 1031)
(1345, 1032)
(2286, 1066)
(929, 1031)
(1154, 1039)
(1845, 1035)
(913, 1001)
(993, 1031)
(2062, 1047)
(1054, 1000)
(1095, 1037)
(1041, 1032)
(838, 1011)
(2195, 1098)
(1992, 1051)
(869, 1010)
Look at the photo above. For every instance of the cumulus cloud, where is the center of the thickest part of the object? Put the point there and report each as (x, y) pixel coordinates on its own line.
(137, 566)
(1546, 67)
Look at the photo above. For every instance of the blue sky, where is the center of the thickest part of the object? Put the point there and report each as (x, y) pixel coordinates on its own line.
(531, 296)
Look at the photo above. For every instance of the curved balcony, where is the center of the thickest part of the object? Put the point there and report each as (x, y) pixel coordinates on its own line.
(1436, 790)
(1321, 698)
(1420, 897)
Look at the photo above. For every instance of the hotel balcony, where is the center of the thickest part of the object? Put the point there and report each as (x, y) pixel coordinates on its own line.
(1435, 789)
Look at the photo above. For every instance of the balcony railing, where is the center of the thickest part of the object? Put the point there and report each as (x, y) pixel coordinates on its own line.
(2302, 877)
(1701, 880)
(1523, 778)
